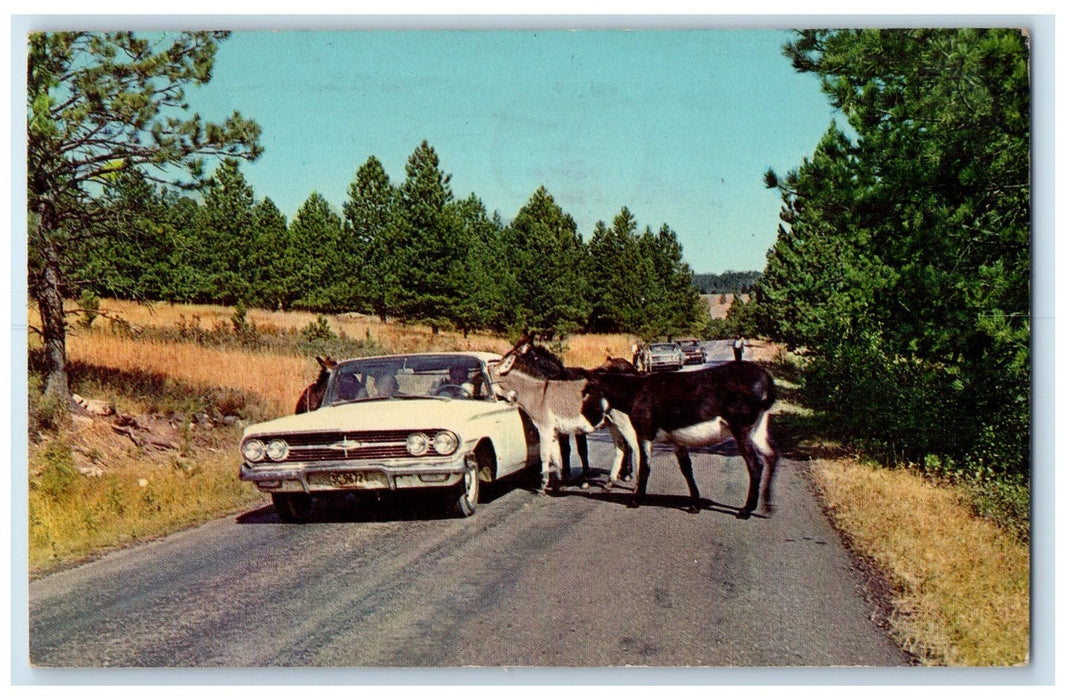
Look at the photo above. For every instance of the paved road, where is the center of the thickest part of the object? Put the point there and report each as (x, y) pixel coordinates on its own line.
(572, 580)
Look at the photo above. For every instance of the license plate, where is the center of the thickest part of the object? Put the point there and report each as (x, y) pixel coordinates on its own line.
(353, 480)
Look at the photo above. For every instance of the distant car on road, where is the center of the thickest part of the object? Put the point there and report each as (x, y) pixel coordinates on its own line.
(655, 357)
(695, 353)
(401, 423)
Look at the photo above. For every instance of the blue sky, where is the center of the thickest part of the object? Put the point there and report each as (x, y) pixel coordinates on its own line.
(677, 125)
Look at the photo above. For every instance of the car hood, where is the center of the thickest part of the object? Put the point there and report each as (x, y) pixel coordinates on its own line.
(384, 414)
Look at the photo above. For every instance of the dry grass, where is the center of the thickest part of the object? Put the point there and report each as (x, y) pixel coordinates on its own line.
(591, 350)
(276, 379)
(134, 494)
(397, 337)
(962, 583)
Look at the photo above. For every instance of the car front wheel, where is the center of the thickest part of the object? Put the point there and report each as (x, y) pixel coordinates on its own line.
(465, 498)
(292, 507)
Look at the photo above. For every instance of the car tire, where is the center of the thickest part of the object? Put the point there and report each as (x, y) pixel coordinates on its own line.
(292, 507)
(464, 499)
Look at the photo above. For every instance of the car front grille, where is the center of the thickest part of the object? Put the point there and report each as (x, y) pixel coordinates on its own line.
(327, 447)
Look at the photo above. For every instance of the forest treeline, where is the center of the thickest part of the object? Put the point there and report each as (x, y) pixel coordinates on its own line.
(902, 265)
(728, 282)
(408, 250)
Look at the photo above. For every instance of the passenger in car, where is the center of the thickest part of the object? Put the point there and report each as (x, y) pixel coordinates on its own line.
(385, 384)
(349, 388)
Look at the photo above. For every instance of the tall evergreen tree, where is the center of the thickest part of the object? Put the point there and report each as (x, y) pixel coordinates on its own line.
(370, 225)
(315, 265)
(678, 306)
(480, 275)
(623, 276)
(427, 245)
(266, 256)
(226, 235)
(549, 265)
(132, 262)
(98, 104)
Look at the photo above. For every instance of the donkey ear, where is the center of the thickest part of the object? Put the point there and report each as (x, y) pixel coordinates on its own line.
(327, 363)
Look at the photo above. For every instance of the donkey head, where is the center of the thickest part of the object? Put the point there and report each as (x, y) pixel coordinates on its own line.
(523, 346)
(312, 396)
(594, 404)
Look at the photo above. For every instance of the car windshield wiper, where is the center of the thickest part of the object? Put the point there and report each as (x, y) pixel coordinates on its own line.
(406, 397)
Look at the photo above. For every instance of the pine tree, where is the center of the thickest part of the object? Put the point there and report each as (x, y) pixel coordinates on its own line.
(548, 264)
(97, 105)
(314, 263)
(426, 246)
(370, 227)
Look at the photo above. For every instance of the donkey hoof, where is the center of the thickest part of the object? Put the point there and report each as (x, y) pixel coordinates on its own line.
(743, 514)
(693, 508)
(633, 504)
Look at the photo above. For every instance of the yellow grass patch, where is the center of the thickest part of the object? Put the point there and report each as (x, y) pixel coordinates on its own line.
(278, 379)
(132, 494)
(591, 350)
(963, 584)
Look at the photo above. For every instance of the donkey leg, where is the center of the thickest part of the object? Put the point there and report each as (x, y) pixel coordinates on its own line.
(755, 465)
(643, 471)
(626, 446)
(549, 444)
(685, 462)
(564, 454)
(764, 450)
(619, 455)
(582, 441)
(555, 463)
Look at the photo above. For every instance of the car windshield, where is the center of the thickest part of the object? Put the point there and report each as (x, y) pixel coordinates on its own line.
(663, 347)
(413, 376)
(688, 343)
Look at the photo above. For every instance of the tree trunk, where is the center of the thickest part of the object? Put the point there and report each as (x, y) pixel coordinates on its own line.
(46, 292)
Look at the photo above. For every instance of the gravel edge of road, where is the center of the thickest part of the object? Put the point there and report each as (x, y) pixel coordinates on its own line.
(877, 584)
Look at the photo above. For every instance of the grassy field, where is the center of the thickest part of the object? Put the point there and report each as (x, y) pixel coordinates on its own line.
(958, 585)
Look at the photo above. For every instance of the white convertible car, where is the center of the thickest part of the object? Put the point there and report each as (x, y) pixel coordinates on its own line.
(420, 421)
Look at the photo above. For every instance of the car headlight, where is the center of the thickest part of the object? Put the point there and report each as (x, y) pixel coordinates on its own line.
(277, 450)
(253, 450)
(417, 444)
(445, 442)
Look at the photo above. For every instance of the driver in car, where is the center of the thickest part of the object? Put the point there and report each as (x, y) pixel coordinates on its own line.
(459, 377)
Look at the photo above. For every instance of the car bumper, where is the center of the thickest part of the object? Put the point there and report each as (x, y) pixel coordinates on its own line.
(344, 475)
(657, 365)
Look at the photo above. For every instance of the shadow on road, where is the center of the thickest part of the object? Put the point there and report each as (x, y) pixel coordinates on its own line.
(623, 496)
(371, 507)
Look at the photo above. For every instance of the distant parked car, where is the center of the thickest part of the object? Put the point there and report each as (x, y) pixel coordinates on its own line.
(399, 423)
(655, 357)
(695, 353)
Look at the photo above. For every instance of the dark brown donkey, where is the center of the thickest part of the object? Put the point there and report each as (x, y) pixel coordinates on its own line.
(311, 398)
(697, 409)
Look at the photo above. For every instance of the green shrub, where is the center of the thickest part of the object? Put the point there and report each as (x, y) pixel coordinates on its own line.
(246, 332)
(90, 308)
(318, 331)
